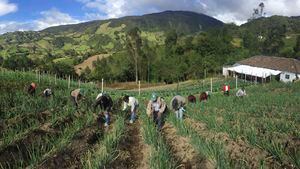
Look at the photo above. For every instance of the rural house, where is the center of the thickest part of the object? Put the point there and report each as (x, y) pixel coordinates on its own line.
(264, 68)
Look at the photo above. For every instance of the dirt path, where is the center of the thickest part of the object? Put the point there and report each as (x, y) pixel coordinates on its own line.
(133, 153)
(238, 151)
(19, 151)
(183, 151)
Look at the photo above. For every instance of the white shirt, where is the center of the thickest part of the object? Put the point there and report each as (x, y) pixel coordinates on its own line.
(47, 91)
(99, 95)
(132, 103)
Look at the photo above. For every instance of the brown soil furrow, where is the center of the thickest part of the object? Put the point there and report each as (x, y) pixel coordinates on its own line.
(70, 156)
(238, 151)
(133, 153)
(183, 151)
(25, 120)
(18, 151)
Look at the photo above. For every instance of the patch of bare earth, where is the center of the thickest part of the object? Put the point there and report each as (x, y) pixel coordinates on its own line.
(132, 152)
(89, 63)
(183, 151)
(238, 151)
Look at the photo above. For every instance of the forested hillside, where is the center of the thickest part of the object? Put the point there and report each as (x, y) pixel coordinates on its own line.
(167, 46)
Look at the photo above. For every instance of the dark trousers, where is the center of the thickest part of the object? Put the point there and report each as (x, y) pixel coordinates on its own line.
(158, 120)
(74, 101)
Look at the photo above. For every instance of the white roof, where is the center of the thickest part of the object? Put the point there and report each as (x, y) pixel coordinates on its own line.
(254, 71)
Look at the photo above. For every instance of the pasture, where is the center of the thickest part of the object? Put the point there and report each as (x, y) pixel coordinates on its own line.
(261, 130)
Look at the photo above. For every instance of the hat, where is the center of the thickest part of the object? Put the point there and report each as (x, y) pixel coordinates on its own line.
(153, 97)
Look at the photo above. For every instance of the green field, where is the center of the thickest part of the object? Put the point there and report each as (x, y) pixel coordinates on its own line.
(261, 130)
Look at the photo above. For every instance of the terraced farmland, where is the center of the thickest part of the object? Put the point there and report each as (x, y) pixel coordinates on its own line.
(261, 130)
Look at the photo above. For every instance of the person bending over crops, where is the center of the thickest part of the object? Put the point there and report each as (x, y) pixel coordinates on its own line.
(133, 103)
(47, 93)
(226, 89)
(241, 93)
(31, 89)
(76, 96)
(105, 102)
(204, 96)
(156, 108)
(192, 99)
(177, 104)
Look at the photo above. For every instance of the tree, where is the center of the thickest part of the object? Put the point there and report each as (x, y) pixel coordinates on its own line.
(297, 47)
(274, 39)
(134, 44)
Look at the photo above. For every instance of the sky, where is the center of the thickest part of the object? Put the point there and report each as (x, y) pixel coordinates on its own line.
(22, 15)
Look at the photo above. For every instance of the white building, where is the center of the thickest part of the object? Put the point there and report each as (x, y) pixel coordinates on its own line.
(263, 68)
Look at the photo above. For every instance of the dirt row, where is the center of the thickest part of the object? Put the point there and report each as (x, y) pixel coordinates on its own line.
(18, 151)
(70, 156)
(183, 151)
(133, 153)
(238, 151)
(24, 119)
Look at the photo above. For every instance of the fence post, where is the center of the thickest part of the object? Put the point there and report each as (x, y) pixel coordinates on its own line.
(236, 81)
(39, 76)
(211, 88)
(69, 82)
(139, 88)
(102, 85)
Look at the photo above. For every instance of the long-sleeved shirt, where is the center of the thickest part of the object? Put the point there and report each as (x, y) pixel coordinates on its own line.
(177, 102)
(159, 105)
(132, 103)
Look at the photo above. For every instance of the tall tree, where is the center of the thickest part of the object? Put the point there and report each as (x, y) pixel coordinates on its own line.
(134, 44)
(274, 39)
(297, 47)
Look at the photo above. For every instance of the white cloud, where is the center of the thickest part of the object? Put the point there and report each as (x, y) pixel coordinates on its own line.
(52, 17)
(6, 7)
(237, 11)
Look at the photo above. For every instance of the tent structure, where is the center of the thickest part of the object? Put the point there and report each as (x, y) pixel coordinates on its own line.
(254, 71)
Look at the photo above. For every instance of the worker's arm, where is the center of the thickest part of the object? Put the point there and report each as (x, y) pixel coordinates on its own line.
(162, 107)
(124, 105)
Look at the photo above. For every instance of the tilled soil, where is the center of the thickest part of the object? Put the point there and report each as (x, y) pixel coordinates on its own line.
(18, 151)
(133, 153)
(183, 151)
(80, 144)
(25, 120)
(238, 151)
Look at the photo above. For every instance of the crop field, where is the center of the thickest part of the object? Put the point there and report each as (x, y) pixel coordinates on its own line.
(261, 130)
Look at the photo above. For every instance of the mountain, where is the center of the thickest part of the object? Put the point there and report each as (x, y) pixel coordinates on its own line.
(74, 43)
(182, 21)
(292, 24)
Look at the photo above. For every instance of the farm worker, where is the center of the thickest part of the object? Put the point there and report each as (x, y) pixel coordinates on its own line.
(191, 99)
(31, 89)
(156, 108)
(241, 93)
(105, 102)
(204, 96)
(177, 104)
(226, 89)
(47, 93)
(76, 96)
(133, 103)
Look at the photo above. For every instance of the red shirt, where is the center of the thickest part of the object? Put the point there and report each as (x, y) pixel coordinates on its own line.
(226, 88)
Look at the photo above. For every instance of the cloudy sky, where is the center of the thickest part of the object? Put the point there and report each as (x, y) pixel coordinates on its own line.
(40, 14)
